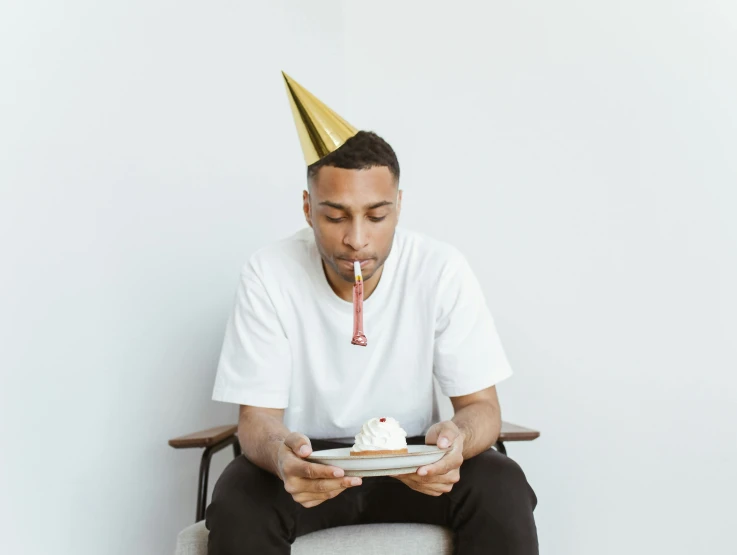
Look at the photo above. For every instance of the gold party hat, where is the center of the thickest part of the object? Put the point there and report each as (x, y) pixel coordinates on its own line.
(320, 130)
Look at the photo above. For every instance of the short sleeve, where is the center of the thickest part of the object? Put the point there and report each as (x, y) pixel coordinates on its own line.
(468, 353)
(255, 361)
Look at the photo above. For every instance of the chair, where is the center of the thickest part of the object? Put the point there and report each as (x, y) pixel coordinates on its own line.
(366, 539)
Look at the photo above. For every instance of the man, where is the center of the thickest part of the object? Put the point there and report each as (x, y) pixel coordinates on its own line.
(288, 361)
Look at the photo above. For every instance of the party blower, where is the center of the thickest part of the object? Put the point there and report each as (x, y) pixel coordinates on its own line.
(358, 336)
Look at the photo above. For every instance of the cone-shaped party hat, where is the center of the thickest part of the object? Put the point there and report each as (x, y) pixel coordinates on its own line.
(320, 130)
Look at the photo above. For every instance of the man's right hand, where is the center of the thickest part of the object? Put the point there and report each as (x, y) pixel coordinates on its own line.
(308, 483)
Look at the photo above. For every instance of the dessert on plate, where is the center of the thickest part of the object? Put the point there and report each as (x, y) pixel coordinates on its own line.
(380, 436)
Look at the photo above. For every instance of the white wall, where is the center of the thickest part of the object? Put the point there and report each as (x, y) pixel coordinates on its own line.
(146, 149)
(580, 153)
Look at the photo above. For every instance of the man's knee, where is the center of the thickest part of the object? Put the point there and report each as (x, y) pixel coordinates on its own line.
(492, 476)
(247, 503)
(492, 506)
(245, 488)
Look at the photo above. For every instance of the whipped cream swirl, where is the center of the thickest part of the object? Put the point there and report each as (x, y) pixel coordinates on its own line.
(380, 434)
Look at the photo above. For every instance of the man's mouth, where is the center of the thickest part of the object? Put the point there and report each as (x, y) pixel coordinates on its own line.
(348, 262)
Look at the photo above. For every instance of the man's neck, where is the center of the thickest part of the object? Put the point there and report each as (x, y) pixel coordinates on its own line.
(344, 289)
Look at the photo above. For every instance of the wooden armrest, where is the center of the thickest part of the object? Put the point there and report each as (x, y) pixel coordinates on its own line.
(205, 438)
(512, 432)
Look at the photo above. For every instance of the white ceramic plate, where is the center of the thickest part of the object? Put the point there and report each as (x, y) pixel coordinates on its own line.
(379, 465)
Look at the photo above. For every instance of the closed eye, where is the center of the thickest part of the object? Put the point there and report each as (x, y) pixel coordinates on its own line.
(382, 218)
(334, 220)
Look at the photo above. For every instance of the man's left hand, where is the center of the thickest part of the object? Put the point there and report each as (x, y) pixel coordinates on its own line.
(438, 478)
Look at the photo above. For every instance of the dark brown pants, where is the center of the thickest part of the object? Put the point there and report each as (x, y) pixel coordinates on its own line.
(490, 509)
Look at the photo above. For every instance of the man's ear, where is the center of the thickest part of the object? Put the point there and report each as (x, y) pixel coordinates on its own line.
(399, 203)
(306, 207)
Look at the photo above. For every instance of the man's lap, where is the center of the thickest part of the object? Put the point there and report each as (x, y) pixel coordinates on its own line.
(378, 499)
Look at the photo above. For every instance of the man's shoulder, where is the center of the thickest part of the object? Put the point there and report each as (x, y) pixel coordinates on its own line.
(283, 255)
(420, 251)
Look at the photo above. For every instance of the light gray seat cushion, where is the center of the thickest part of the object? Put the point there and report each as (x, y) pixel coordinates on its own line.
(364, 539)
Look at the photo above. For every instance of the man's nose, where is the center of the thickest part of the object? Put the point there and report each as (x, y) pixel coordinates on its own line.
(357, 237)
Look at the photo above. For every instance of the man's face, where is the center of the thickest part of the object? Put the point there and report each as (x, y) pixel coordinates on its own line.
(354, 214)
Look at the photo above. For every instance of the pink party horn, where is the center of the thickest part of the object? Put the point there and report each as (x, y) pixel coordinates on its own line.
(358, 336)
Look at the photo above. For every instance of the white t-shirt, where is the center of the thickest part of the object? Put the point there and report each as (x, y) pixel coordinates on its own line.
(288, 342)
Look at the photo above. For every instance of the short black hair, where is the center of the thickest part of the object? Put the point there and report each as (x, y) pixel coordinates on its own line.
(362, 151)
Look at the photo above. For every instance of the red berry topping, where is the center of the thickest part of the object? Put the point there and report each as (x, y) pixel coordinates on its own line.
(382, 419)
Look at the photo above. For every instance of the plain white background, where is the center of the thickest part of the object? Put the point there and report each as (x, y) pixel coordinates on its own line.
(580, 153)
